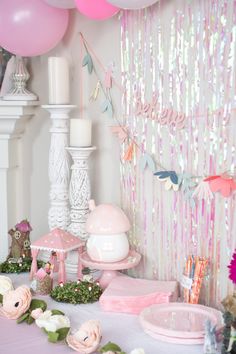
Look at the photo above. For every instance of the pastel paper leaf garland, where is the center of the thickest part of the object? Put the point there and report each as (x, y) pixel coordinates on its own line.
(107, 107)
(170, 177)
(187, 186)
(223, 184)
(147, 161)
(120, 132)
(88, 61)
(129, 152)
(203, 191)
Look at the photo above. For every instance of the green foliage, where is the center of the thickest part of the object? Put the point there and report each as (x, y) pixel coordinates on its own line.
(111, 347)
(1, 298)
(57, 312)
(35, 304)
(25, 266)
(77, 293)
(59, 335)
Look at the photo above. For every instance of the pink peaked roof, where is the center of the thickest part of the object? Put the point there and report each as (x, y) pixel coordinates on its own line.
(57, 240)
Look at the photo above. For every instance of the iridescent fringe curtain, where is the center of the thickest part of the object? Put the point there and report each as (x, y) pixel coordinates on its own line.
(184, 51)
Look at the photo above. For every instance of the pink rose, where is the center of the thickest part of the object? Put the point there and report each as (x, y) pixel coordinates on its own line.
(87, 339)
(36, 313)
(16, 302)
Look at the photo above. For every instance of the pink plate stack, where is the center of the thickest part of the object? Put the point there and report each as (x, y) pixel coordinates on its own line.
(179, 323)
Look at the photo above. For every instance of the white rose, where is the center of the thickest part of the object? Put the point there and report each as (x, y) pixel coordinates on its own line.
(138, 351)
(52, 322)
(5, 284)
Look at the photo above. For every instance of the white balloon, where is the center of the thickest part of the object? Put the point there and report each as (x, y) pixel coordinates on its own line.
(132, 4)
(62, 4)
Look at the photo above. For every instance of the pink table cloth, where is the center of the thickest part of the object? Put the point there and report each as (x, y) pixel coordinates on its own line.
(123, 329)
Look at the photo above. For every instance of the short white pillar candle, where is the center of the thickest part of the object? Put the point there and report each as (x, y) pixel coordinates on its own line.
(80, 132)
(58, 80)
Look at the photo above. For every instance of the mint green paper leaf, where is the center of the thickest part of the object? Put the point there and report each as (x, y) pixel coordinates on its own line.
(110, 109)
(110, 347)
(147, 161)
(23, 318)
(87, 61)
(35, 304)
(62, 333)
(1, 298)
(30, 320)
(107, 107)
(53, 337)
(57, 312)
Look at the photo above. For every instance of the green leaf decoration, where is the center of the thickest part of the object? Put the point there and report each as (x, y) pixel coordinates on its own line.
(110, 347)
(1, 298)
(23, 318)
(88, 61)
(53, 337)
(62, 333)
(57, 312)
(35, 304)
(30, 320)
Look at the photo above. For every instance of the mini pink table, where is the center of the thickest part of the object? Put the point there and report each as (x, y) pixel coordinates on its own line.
(110, 270)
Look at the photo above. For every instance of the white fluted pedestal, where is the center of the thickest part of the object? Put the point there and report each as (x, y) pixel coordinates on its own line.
(59, 166)
(79, 196)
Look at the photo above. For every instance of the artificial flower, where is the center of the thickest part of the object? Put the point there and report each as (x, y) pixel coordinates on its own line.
(224, 184)
(203, 191)
(51, 322)
(16, 302)
(232, 269)
(138, 351)
(87, 339)
(36, 313)
(5, 284)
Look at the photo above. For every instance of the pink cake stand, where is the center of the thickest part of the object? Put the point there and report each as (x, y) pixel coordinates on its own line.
(110, 270)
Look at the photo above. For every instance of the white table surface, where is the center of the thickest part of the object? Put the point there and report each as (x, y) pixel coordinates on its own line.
(123, 329)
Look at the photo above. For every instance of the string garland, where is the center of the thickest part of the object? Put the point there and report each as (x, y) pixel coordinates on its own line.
(193, 187)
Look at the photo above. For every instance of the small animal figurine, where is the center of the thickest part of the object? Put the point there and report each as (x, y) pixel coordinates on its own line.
(20, 240)
(210, 345)
(232, 339)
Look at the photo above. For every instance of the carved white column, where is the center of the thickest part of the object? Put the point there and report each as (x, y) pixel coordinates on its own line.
(79, 191)
(13, 118)
(59, 166)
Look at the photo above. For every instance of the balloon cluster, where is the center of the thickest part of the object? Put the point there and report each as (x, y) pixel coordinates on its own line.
(34, 27)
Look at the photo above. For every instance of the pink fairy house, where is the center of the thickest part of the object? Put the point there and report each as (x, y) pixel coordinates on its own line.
(59, 243)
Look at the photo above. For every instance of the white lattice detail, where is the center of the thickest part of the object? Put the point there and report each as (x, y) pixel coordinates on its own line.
(59, 167)
(79, 191)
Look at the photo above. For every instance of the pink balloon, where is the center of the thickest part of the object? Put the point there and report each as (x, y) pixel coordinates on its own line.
(96, 9)
(31, 27)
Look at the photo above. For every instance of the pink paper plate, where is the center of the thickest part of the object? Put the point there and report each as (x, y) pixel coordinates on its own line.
(179, 320)
(175, 340)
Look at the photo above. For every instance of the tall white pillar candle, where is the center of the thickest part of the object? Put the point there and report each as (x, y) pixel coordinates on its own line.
(58, 80)
(80, 132)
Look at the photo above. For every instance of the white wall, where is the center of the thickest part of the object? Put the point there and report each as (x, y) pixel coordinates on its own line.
(104, 37)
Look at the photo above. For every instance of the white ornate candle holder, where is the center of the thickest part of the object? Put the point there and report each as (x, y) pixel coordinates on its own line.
(59, 166)
(79, 191)
(19, 91)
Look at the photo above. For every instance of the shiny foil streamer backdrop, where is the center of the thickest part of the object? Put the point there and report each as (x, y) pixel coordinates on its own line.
(185, 52)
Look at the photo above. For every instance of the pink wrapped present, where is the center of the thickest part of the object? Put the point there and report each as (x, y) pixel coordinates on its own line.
(130, 295)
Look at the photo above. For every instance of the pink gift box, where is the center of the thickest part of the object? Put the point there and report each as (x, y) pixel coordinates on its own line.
(130, 295)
